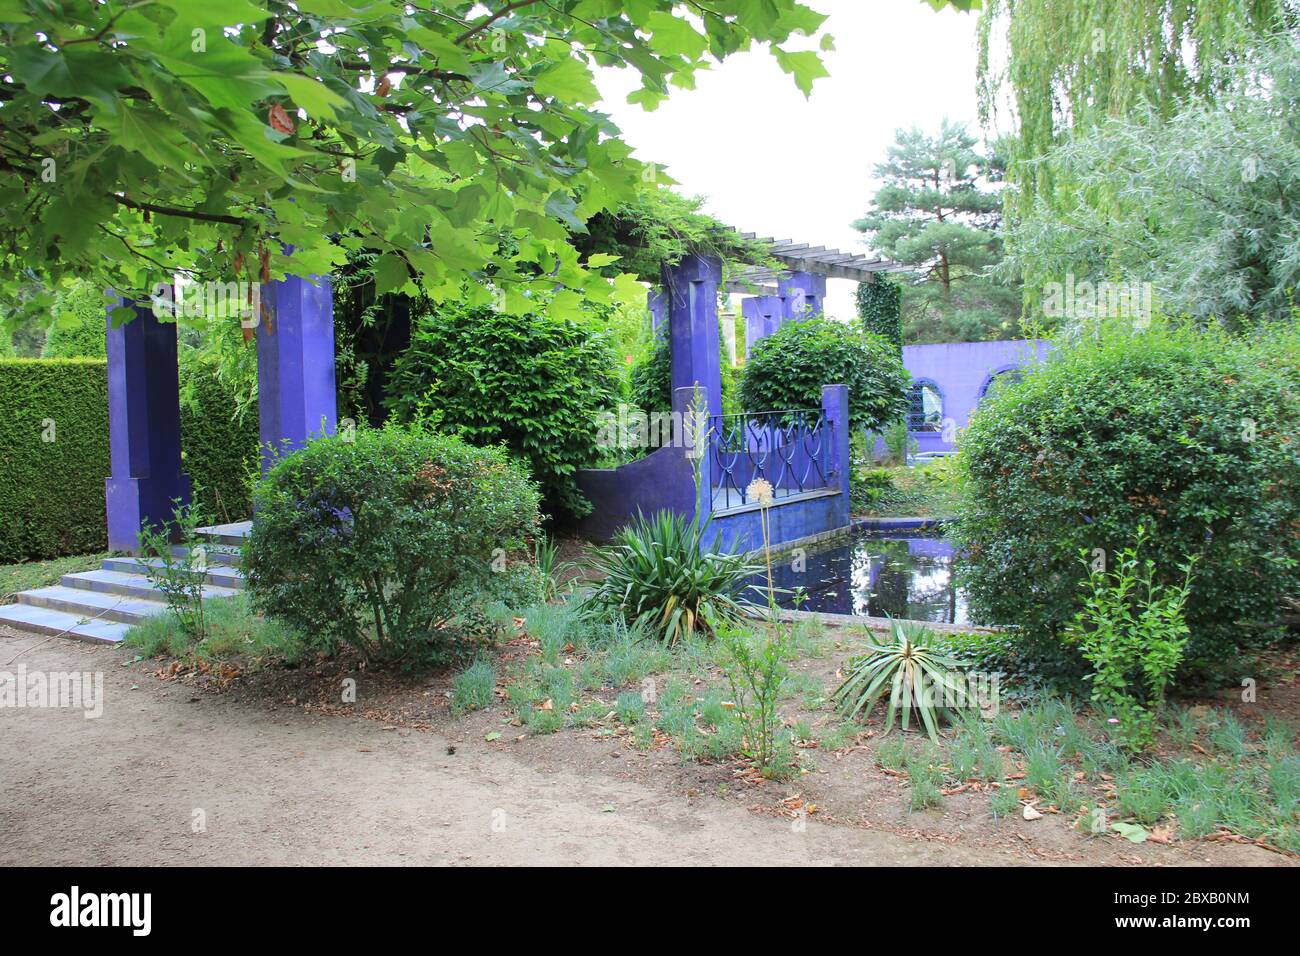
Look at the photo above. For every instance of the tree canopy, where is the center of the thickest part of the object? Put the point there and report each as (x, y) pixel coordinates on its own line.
(1064, 65)
(938, 212)
(245, 139)
(1203, 205)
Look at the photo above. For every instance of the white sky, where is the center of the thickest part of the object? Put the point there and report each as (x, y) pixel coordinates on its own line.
(770, 161)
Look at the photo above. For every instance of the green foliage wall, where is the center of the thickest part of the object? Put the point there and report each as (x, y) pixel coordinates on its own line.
(880, 309)
(52, 491)
(80, 316)
(219, 442)
(54, 432)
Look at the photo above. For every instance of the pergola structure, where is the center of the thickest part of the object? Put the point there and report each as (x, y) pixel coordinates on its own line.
(296, 390)
(776, 295)
(296, 399)
(807, 462)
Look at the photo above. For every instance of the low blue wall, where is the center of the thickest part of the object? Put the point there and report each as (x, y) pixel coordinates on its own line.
(665, 479)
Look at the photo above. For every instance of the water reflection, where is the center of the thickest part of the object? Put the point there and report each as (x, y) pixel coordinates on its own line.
(898, 575)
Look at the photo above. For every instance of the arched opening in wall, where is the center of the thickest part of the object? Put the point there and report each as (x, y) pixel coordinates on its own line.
(926, 411)
(999, 379)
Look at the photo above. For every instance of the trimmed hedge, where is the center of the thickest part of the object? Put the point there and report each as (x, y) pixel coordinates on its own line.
(52, 492)
(788, 368)
(54, 432)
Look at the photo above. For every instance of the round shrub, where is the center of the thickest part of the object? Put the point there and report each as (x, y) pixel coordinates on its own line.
(383, 543)
(788, 368)
(1193, 436)
(530, 381)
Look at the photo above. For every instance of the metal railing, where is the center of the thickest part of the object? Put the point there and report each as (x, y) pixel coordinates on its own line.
(789, 449)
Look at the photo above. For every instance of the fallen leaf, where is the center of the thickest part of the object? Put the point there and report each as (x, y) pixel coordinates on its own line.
(494, 735)
(1131, 832)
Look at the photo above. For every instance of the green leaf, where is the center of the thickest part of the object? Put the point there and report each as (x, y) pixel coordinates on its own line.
(313, 96)
(391, 273)
(805, 65)
(568, 81)
(1130, 831)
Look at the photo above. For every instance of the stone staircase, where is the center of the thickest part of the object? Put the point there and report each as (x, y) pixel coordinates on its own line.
(101, 605)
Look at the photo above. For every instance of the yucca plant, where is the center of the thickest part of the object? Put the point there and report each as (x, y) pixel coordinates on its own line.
(546, 558)
(660, 573)
(910, 667)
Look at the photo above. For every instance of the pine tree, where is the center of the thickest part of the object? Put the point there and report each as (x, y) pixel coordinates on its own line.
(938, 214)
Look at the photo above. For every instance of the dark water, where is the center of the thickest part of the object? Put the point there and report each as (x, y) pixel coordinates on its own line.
(899, 575)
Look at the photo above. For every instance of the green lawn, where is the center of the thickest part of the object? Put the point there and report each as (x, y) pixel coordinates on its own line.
(39, 574)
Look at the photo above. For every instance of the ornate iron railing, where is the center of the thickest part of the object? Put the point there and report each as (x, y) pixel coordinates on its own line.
(791, 450)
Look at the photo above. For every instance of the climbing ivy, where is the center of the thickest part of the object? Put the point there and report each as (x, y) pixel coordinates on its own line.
(879, 308)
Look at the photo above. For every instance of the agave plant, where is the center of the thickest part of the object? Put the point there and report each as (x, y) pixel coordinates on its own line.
(910, 668)
(659, 573)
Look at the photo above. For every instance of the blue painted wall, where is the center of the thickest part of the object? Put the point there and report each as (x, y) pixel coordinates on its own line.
(962, 372)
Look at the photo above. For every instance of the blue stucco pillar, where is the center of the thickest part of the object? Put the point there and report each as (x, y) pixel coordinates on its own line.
(762, 314)
(691, 287)
(295, 364)
(802, 294)
(144, 426)
(835, 403)
(657, 303)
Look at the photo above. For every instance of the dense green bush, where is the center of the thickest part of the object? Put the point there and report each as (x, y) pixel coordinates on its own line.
(54, 436)
(532, 382)
(219, 441)
(788, 368)
(1194, 436)
(650, 383)
(380, 543)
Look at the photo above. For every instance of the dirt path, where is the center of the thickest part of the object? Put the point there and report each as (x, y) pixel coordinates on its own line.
(285, 787)
(278, 785)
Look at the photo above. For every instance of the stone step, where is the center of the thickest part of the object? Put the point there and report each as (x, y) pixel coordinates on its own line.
(100, 604)
(220, 575)
(131, 585)
(233, 532)
(217, 554)
(44, 620)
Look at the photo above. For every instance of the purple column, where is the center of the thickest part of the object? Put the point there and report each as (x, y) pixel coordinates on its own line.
(144, 427)
(762, 317)
(295, 364)
(657, 303)
(691, 287)
(835, 403)
(802, 295)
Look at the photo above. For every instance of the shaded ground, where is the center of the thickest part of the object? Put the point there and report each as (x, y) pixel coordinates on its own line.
(283, 772)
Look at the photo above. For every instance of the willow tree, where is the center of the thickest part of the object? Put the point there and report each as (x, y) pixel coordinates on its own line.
(1064, 65)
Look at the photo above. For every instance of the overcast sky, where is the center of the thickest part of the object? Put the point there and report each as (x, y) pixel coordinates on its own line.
(770, 161)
